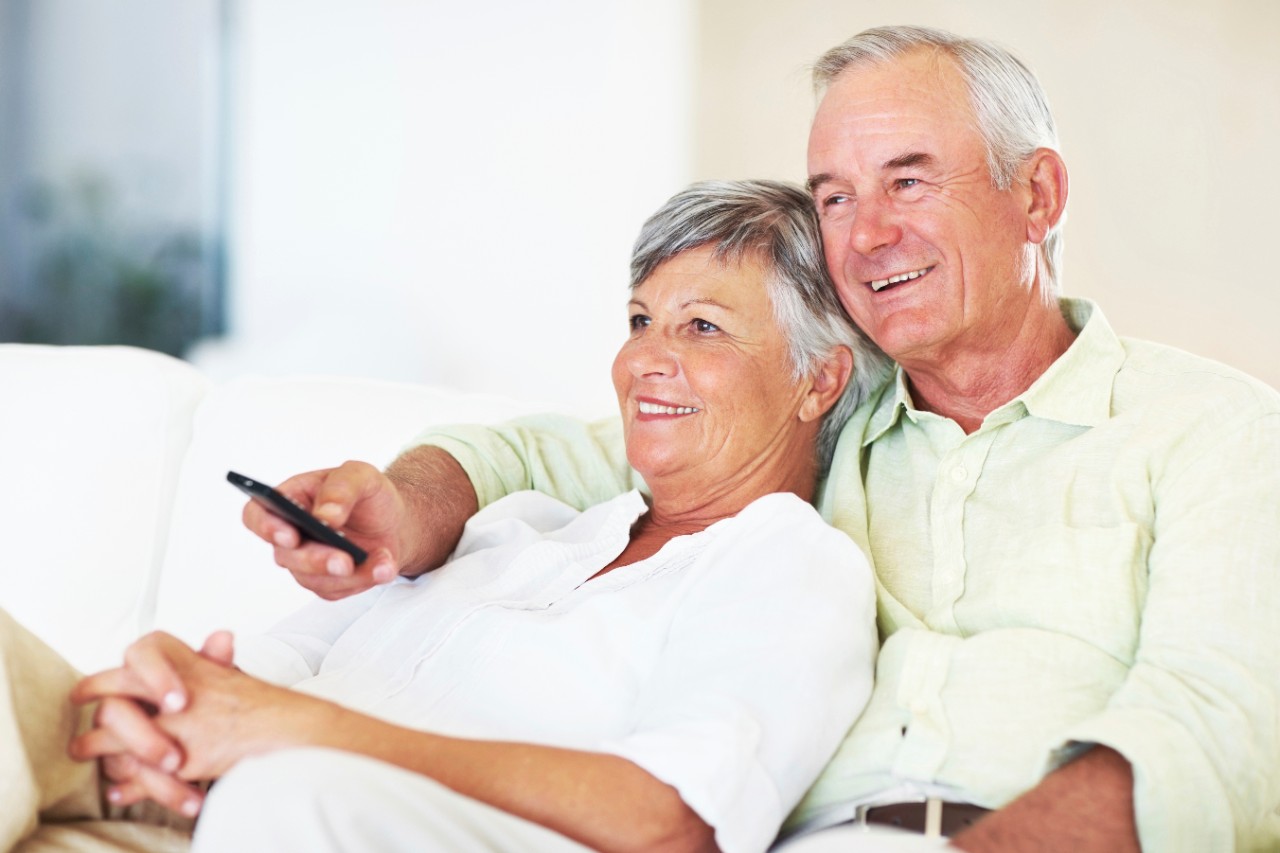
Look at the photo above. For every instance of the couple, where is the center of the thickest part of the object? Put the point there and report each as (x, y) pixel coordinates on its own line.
(1073, 534)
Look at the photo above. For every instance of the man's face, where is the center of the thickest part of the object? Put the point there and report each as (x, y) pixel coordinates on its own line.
(928, 257)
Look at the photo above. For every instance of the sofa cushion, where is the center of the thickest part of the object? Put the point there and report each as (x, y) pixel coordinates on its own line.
(92, 439)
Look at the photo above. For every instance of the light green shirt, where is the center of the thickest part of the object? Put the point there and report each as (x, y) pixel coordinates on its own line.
(1098, 563)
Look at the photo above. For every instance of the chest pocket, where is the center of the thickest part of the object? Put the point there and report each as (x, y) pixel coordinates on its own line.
(1088, 582)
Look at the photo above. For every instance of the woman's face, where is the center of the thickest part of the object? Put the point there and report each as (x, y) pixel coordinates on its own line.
(705, 384)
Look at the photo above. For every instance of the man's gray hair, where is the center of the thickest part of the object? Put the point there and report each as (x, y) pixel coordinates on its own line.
(775, 223)
(1011, 107)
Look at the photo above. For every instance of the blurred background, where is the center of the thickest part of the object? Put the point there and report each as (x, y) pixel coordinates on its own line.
(447, 193)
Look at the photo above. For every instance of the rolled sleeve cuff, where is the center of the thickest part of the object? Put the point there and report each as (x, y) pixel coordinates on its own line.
(1179, 802)
(487, 460)
(722, 784)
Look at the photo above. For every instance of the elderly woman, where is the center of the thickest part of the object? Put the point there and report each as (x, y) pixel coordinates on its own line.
(656, 672)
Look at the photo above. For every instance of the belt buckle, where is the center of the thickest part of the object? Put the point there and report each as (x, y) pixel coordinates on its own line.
(932, 814)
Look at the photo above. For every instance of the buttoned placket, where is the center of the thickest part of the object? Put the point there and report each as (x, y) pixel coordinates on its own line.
(956, 478)
(960, 460)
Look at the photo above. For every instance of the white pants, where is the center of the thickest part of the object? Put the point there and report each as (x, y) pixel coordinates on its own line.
(319, 800)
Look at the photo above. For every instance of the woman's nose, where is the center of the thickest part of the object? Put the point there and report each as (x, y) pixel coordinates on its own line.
(651, 355)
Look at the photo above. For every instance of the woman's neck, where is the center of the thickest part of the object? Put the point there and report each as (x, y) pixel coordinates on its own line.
(686, 512)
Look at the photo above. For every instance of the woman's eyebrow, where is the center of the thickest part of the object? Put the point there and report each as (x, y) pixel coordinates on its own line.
(637, 303)
(706, 301)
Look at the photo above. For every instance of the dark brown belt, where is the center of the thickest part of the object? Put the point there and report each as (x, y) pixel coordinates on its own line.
(956, 817)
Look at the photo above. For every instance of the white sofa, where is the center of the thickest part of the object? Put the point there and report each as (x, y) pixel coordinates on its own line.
(117, 517)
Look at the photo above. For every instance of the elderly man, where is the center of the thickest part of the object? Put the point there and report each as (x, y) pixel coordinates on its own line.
(1076, 536)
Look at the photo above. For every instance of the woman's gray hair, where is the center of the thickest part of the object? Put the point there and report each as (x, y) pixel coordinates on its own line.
(773, 222)
(1011, 107)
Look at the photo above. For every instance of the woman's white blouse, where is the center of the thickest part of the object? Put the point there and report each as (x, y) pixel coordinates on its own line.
(729, 664)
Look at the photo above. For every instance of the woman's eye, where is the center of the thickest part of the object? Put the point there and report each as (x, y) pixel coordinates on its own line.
(704, 327)
(639, 321)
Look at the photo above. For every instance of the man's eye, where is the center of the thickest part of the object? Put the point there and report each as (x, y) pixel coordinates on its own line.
(906, 183)
(704, 327)
(639, 321)
(833, 200)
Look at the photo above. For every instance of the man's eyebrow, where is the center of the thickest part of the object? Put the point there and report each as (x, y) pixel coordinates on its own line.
(818, 180)
(909, 160)
(902, 161)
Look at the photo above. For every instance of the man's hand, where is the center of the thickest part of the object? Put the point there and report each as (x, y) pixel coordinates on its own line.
(139, 759)
(408, 519)
(355, 498)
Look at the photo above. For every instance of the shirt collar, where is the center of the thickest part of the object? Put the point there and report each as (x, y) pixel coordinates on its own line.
(894, 401)
(1076, 389)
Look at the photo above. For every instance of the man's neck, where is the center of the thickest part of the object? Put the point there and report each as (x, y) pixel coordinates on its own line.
(968, 385)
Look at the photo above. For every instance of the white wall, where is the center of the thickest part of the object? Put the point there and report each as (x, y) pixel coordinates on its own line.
(1169, 115)
(448, 192)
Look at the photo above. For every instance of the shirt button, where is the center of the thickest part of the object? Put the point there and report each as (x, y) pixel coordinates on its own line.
(959, 474)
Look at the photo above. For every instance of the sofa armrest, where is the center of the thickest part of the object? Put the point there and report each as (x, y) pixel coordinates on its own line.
(92, 441)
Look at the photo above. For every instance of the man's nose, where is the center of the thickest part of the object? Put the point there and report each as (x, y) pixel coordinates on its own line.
(875, 226)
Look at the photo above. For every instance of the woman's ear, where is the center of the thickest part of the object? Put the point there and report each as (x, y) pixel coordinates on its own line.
(827, 384)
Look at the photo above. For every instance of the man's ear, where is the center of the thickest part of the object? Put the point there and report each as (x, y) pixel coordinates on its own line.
(827, 384)
(1047, 180)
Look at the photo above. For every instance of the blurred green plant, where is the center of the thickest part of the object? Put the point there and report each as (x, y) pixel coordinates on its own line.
(97, 279)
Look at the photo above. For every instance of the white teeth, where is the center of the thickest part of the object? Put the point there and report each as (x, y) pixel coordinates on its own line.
(653, 409)
(906, 276)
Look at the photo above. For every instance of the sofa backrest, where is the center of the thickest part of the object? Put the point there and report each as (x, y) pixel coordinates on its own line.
(218, 575)
(116, 514)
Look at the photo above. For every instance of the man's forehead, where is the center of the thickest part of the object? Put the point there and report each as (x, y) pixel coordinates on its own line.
(895, 113)
(923, 80)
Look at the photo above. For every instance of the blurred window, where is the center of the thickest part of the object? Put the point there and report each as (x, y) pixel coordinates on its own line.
(113, 121)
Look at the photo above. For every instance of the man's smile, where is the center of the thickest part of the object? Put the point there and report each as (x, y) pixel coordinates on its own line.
(880, 284)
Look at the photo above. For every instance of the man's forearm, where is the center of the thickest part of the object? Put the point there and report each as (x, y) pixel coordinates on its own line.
(439, 498)
(1084, 806)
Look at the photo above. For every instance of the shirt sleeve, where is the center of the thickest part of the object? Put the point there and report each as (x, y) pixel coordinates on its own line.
(1196, 715)
(579, 463)
(767, 663)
